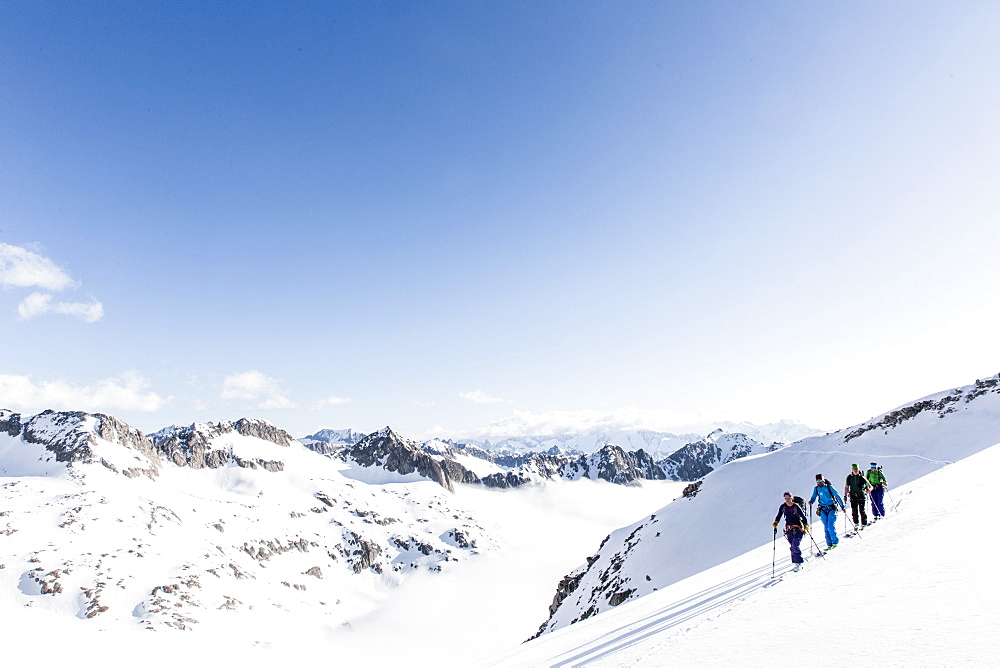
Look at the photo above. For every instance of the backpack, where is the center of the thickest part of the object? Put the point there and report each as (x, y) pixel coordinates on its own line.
(801, 503)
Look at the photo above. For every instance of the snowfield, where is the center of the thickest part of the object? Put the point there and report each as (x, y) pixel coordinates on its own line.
(916, 589)
(110, 552)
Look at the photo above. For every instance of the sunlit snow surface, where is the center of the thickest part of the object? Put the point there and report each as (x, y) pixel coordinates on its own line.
(918, 588)
(137, 534)
(919, 585)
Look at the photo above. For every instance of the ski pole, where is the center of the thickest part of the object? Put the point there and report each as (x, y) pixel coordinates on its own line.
(774, 549)
(819, 552)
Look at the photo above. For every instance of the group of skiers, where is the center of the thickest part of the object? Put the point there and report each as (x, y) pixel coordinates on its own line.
(858, 488)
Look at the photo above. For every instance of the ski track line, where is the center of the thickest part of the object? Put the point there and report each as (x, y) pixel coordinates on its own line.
(695, 607)
(863, 455)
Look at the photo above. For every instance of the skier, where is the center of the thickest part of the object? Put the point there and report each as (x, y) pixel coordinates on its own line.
(829, 501)
(795, 526)
(855, 490)
(878, 485)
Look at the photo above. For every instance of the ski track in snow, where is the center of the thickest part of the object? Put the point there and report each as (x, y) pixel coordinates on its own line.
(864, 455)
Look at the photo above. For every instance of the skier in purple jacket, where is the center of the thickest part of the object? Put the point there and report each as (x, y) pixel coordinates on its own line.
(795, 526)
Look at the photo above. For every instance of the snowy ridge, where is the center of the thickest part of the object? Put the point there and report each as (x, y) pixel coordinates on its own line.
(732, 611)
(213, 445)
(730, 512)
(70, 437)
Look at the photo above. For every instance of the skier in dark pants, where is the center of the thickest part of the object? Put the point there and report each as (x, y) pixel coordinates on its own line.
(829, 502)
(878, 485)
(855, 490)
(795, 526)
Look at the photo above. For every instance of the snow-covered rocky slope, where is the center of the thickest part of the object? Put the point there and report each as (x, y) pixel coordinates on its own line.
(916, 589)
(204, 522)
(729, 512)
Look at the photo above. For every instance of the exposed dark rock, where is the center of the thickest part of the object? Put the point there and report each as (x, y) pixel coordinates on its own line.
(387, 450)
(10, 423)
(942, 407)
(692, 490)
(72, 437)
(263, 430)
(192, 446)
(365, 553)
(696, 460)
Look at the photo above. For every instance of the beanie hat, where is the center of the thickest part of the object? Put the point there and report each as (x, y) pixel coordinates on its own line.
(854, 466)
(819, 476)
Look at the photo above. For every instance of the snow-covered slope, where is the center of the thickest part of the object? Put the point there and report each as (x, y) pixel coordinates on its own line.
(229, 518)
(730, 511)
(914, 589)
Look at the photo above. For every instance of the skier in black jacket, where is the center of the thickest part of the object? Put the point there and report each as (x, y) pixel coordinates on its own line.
(795, 526)
(856, 490)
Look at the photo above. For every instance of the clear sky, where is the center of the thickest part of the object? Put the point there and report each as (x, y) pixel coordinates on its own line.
(460, 218)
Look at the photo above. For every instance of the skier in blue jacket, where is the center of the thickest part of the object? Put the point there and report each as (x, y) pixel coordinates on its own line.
(829, 502)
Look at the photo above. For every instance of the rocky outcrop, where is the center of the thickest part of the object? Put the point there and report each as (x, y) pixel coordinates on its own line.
(942, 406)
(698, 459)
(263, 430)
(387, 450)
(76, 437)
(613, 464)
(10, 423)
(193, 446)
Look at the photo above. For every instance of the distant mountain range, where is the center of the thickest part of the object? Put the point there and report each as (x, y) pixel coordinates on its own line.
(516, 461)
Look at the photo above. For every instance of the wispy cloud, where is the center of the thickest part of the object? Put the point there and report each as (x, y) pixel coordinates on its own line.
(128, 391)
(38, 303)
(24, 268)
(328, 402)
(255, 386)
(480, 397)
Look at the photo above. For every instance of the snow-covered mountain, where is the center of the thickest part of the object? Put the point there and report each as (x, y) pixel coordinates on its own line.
(696, 460)
(657, 443)
(729, 511)
(447, 462)
(256, 543)
(207, 521)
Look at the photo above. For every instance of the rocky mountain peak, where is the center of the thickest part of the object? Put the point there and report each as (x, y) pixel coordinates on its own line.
(388, 450)
(196, 445)
(87, 438)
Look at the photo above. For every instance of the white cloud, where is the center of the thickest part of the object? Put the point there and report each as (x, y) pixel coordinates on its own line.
(626, 418)
(127, 391)
(480, 397)
(255, 386)
(22, 268)
(38, 303)
(329, 401)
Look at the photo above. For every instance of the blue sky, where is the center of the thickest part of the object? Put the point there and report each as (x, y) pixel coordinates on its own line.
(462, 218)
